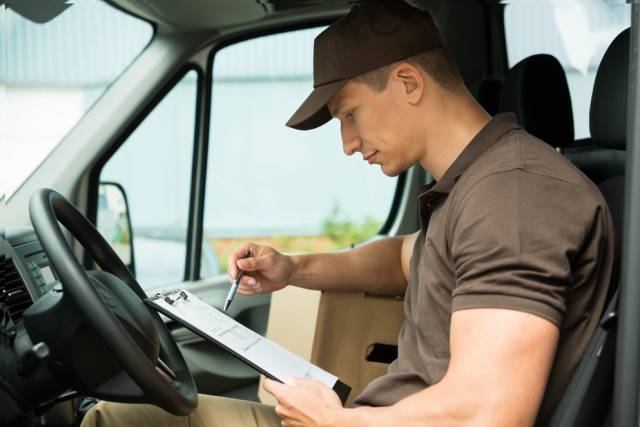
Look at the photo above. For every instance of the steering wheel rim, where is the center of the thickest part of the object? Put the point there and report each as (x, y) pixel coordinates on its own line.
(47, 209)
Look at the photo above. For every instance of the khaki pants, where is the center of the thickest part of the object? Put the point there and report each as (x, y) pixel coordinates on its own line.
(212, 411)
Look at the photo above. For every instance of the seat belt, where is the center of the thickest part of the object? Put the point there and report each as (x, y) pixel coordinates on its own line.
(586, 401)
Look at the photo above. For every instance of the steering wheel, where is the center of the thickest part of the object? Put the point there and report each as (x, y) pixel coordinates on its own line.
(110, 304)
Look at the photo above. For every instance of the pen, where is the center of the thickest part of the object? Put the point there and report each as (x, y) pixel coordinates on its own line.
(234, 287)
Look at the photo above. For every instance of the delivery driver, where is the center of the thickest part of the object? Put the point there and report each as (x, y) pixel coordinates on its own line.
(504, 283)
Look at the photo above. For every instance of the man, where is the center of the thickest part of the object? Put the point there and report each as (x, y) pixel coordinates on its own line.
(505, 282)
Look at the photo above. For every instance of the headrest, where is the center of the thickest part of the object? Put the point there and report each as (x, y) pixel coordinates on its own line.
(536, 91)
(487, 93)
(608, 114)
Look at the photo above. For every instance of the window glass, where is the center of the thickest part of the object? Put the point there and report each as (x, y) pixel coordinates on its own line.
(153, 166)
(51, 73)
(577, 33)
(271, 184)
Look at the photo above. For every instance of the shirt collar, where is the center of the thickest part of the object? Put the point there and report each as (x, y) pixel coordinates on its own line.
(495, 128)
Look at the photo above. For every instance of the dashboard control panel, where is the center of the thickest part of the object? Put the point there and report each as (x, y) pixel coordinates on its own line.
(30, 260)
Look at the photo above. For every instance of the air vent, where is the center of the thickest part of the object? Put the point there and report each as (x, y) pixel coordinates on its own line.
(13, 293)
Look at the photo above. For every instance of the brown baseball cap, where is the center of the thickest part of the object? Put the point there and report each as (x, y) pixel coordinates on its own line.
(373, 34)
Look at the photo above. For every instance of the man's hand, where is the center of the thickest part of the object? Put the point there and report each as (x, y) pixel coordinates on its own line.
(266, 270)
(306, 403)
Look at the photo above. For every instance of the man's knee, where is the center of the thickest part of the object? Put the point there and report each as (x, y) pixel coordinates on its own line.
(105, 414)
(216, 411)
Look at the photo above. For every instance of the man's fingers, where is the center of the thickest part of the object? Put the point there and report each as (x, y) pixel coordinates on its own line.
(249, 285)
(246, 291)
(285, 415)
(276, 388)
(248, 281)
(239, 253)
(297, 382)
(268, 385)
(313, 383)
(254, 263)
(250, 290)
(280, 410)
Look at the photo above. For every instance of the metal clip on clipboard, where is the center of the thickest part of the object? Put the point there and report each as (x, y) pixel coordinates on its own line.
(167, 296)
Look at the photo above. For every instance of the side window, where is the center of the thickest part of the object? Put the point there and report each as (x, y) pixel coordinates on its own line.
(576, 33)
(153, 166)
(270, 184)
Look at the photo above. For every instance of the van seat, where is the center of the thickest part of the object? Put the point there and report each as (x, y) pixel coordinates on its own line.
(487, 92)
(536, 91)
(587, 401)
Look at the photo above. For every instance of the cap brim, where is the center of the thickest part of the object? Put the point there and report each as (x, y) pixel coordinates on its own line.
(314, 112)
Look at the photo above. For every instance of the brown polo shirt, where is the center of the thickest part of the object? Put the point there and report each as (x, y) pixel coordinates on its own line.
(511, 224)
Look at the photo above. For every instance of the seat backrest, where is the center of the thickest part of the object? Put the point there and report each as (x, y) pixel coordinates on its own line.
(587, 401)
(487, 92)
(536, 91)
(608, 122)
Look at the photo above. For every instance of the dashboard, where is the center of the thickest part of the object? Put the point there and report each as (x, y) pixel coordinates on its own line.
(27, 273)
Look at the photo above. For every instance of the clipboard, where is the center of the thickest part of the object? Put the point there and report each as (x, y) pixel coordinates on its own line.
(265, 356)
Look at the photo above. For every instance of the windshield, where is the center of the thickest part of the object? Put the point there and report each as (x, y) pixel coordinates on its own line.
(51, 74)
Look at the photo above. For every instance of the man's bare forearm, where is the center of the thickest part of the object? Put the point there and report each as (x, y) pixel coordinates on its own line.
(439, 405)
(447, 403)
(375, 267)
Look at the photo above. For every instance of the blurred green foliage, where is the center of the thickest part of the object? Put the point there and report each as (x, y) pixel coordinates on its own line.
(338, 232)
(343, 232)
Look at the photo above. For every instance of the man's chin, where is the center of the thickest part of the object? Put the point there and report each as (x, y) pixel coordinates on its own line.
(390, 170)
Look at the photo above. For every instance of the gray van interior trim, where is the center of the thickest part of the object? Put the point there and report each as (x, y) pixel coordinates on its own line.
(626, 394)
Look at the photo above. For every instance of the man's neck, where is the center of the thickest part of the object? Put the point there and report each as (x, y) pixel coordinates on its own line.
(457, 121)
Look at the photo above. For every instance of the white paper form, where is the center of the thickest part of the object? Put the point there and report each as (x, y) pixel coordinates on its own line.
(270, 358)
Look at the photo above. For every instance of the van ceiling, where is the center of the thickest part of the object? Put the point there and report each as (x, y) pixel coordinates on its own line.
(199, 15)
(463, 23)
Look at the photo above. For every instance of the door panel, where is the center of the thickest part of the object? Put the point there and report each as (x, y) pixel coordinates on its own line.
(354, 330)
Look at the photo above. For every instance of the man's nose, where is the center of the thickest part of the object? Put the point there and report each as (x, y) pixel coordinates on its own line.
(351, 143)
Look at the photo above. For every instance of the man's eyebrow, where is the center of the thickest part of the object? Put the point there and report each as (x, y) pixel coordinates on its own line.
(335, 112)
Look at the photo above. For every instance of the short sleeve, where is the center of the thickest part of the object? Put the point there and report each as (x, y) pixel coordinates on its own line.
(514, 236)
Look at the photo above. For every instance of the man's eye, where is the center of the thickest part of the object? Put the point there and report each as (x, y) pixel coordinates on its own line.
(349, 115)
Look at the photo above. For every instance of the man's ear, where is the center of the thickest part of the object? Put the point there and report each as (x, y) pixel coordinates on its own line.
(412, 81)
